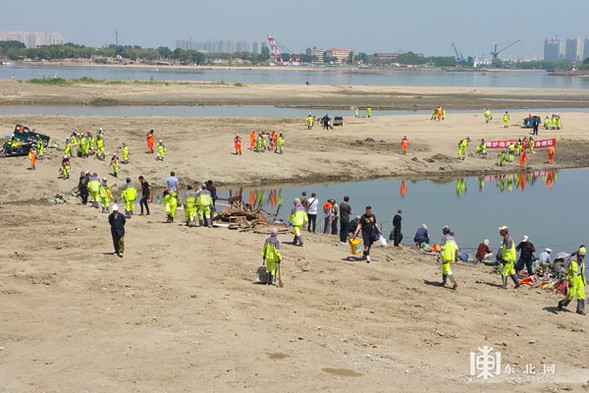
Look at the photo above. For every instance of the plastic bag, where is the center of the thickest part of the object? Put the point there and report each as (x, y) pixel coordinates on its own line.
(382, 241)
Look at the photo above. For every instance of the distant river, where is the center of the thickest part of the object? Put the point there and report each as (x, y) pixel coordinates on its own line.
(328, 76)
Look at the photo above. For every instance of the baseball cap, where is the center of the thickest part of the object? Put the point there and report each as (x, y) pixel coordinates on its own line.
(582, 251)
(115, 208)
(504, 228)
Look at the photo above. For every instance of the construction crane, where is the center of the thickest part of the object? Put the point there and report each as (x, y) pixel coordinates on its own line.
(458, 55)
(496, 52)
(277, 57)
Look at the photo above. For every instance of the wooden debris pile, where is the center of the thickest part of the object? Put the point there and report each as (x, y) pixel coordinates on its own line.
(246, 219)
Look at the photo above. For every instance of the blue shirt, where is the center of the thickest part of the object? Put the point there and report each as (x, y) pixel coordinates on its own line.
(117, 224)
(172, 183)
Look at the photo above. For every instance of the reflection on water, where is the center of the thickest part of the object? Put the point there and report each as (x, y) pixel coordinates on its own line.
(530, 203)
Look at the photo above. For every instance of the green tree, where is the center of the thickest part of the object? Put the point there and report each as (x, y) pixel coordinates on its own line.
(165, 52)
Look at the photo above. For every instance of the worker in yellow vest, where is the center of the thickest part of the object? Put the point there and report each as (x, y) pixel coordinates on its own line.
(129, 195)
(508, 257)
(575, 275)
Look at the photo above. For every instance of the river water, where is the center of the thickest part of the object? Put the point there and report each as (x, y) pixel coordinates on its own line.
(326, 76)
(545, 205)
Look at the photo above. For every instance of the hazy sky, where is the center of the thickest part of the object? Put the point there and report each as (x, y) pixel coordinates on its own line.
(426, 26)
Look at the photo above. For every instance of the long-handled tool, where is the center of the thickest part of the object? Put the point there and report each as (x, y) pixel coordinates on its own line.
(280, 285)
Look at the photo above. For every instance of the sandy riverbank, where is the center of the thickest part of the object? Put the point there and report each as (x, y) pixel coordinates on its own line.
(179, 312)
(319, 97)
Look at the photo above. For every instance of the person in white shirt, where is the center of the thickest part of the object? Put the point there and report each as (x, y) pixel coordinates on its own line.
(312, 204)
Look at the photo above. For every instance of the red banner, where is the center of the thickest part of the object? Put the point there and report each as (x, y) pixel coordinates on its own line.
(538, 144)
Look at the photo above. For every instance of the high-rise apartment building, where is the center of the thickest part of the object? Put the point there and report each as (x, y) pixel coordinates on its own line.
(226, 46)
(552, 49)
(314, 51)
(257, 47)
(33, 39)
(586, 49)
(242, 46)
(574, 49)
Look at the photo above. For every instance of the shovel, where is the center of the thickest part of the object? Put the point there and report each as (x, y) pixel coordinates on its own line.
(280, 285)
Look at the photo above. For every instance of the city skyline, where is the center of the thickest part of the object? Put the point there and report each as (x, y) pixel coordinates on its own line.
(370, 28)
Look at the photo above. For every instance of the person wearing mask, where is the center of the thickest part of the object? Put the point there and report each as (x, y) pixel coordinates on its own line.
(345, 210)
(367, 225)
(312, 205)
(526, 252)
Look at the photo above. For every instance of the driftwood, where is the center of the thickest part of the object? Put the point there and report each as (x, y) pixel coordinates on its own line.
(240, 217)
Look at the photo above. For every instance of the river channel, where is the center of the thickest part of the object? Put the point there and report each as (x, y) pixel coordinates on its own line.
(547, 206)
(316, 76)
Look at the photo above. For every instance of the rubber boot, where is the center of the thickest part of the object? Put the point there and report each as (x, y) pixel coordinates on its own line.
(169, 218)
(563, 303)
(201, 222)
(103, 209)
(269, 279)
(300, 241)
(444, 280)
(504, 279)
(294, 240)
(515, 280)
(209, 222)
(581, 306)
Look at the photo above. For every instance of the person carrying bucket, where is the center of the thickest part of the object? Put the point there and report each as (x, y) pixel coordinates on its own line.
(368, 225)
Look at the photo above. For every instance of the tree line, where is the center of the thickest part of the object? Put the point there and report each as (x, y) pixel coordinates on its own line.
(16, 50)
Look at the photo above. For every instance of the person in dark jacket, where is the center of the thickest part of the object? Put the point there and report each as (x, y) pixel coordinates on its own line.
(526, 252)
(421, 236)
(83, 187)
(117, 230)
(397, 235)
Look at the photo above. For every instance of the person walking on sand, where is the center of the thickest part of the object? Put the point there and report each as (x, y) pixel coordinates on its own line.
(237, 144)
(271, 257)
(506, 120)
(129, 195)
(448, 256)
(161, 149)
(368, 226)
(252, 140)
(83, 187)
(526, 253)
(507, 258)
(150, 137)
(117, 230)
(575, 275)
(404, 144)
(298, 217)
(145, 195)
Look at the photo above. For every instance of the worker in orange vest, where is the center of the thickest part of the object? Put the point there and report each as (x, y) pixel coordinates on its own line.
(404, 144)
(439, 112)
(237, 143)
(150, 139)
(550, 154)
(274, 137)
(252, 140)
(522, 158)
(33, 157)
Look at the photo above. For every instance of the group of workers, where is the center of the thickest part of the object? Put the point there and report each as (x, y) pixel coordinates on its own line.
(520, 148)
(261, 141)
(368, 112)
(438, 113)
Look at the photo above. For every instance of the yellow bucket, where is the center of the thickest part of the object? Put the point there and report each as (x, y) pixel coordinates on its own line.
(355, 246)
